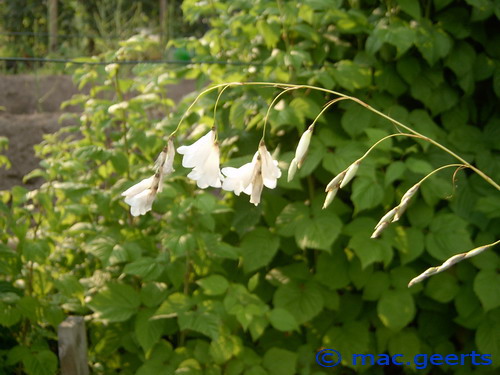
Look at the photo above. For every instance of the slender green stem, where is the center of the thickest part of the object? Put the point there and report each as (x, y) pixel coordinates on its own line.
(270, 107)
(356, 100)
(328, 105)
(441, 168)
(385, 138)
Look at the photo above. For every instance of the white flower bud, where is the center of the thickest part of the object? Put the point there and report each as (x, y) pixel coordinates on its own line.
(400, 210)
(379, 229)
(350, 173)
(292, 169)
(410, 193)
(335, 183)
(329, 197)
(305, 140)
(387, 218)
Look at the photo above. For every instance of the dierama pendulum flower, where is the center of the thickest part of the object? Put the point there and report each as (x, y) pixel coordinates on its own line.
(300, 152)
(339, 181)
(141, 196)
(251, 178)
(396, 213)
(203, 157)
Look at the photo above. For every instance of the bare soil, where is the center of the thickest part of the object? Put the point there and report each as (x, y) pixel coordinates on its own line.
(31, 107)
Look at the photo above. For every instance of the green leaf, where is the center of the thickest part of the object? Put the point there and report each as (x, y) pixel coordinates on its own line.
(283, 320)
(486, 288)
(36, 250)
(496, 82)
(352, 337)
(410, 7)
(303, 301)
(488, 338)
(213, 285)
(152, 294)
(116, 303)
(396, 309)
(9, 315)
(461, 59)
(406, 343)
(370, 251)
(352, 76)
(204, 322)
(409, 242)
(175, 304)
(448, 236)
(258, 248)
(237, 115)
(270, 31)
(442, 288)
(378, 283)
(147, 331)
(332, 270)
(432, 43)
(224, 348)
(280, 361)
(318, 232)
(356, 119)
(147, 268)
(43, 362)
(394, 172)
(366, 194)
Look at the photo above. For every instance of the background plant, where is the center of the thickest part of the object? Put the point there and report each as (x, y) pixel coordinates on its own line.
(207, 283)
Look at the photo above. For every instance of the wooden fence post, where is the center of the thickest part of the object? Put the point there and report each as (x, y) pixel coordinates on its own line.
(73, 346)
(52, 23)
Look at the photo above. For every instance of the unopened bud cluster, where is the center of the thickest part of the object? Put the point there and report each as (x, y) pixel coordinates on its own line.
(396, 213)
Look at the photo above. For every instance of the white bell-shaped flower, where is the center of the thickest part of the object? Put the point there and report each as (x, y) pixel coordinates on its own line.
(270, 169)
(238, 179)
(203, 157)
(141, 196)
(251, 178)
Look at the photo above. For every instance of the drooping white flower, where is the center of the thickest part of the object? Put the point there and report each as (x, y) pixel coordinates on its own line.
(238, 179)
(141, 196)
(203, 157)
(270, 170)
(257, 182)
(165, 162)
(251, 178)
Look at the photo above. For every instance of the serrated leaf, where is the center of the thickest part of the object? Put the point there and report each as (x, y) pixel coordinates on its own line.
(280, 361)
(283, 320)
(486, 288)
(448, 236)
(213, 285)
(116, 303)
(350, 338)
(43, 362)
(147, 268)
(396, 309)
(258, 248)
(366, 194)
(352, 76)
(148, 332)
(303, 301)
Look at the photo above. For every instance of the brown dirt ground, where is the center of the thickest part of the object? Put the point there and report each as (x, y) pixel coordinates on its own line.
(31, 108)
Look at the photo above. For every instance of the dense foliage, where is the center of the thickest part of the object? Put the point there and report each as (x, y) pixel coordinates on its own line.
(209, 284)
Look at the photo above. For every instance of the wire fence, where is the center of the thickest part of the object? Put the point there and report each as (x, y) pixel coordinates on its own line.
(80, 61)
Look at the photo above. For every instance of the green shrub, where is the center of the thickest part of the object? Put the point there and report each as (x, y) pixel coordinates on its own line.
(208, 283)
